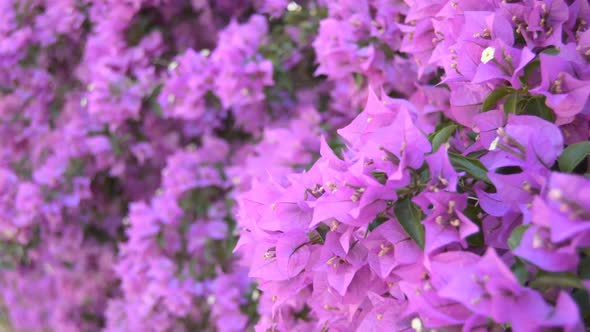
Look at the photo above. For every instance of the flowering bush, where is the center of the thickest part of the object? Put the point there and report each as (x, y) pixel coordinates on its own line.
(313, 165)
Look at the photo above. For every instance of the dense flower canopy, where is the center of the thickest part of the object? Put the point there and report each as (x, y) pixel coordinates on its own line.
(312, 165)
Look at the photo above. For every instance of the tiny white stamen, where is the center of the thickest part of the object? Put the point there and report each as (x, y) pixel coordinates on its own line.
(439, 220)
(384, 250)
(555, 194)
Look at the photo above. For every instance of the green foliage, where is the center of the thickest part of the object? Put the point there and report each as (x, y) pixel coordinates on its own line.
(516, 236)
(520, 271)
(442, 136)
(494, 97)
(573, 155)
(410, 216)
(472, 167)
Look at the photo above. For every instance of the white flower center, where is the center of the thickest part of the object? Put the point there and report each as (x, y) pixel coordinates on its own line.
(494, 144)
(487, 55)
(293, 7)
(417, 324)
(205, 52)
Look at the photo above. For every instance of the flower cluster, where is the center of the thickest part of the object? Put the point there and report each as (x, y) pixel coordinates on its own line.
(457, 203)
(309, 165)
(396, 234)
(124, 134)
(175, 248)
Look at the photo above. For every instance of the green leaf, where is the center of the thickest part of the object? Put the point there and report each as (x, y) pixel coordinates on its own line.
(556, 279)
(117, 144)
(529, 69)
(551, 51)
(381, 177)
(31, 56)
(516, 236)
(359, 79)
(323, 230)
(583, 301)
(441, 136)
(156, 108)
(195, 202)
(409, 215)
(472, 212)
(472, 166)
(510, 103)
(337, 146)
(573, 155)
(423, 174)
(75, 168)
(152, 101)
(536, 106)
(314, 238)
(477, 154)
(472, 136)
(584, 268)
(520, 271)
(377, 222)
(494, 97)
